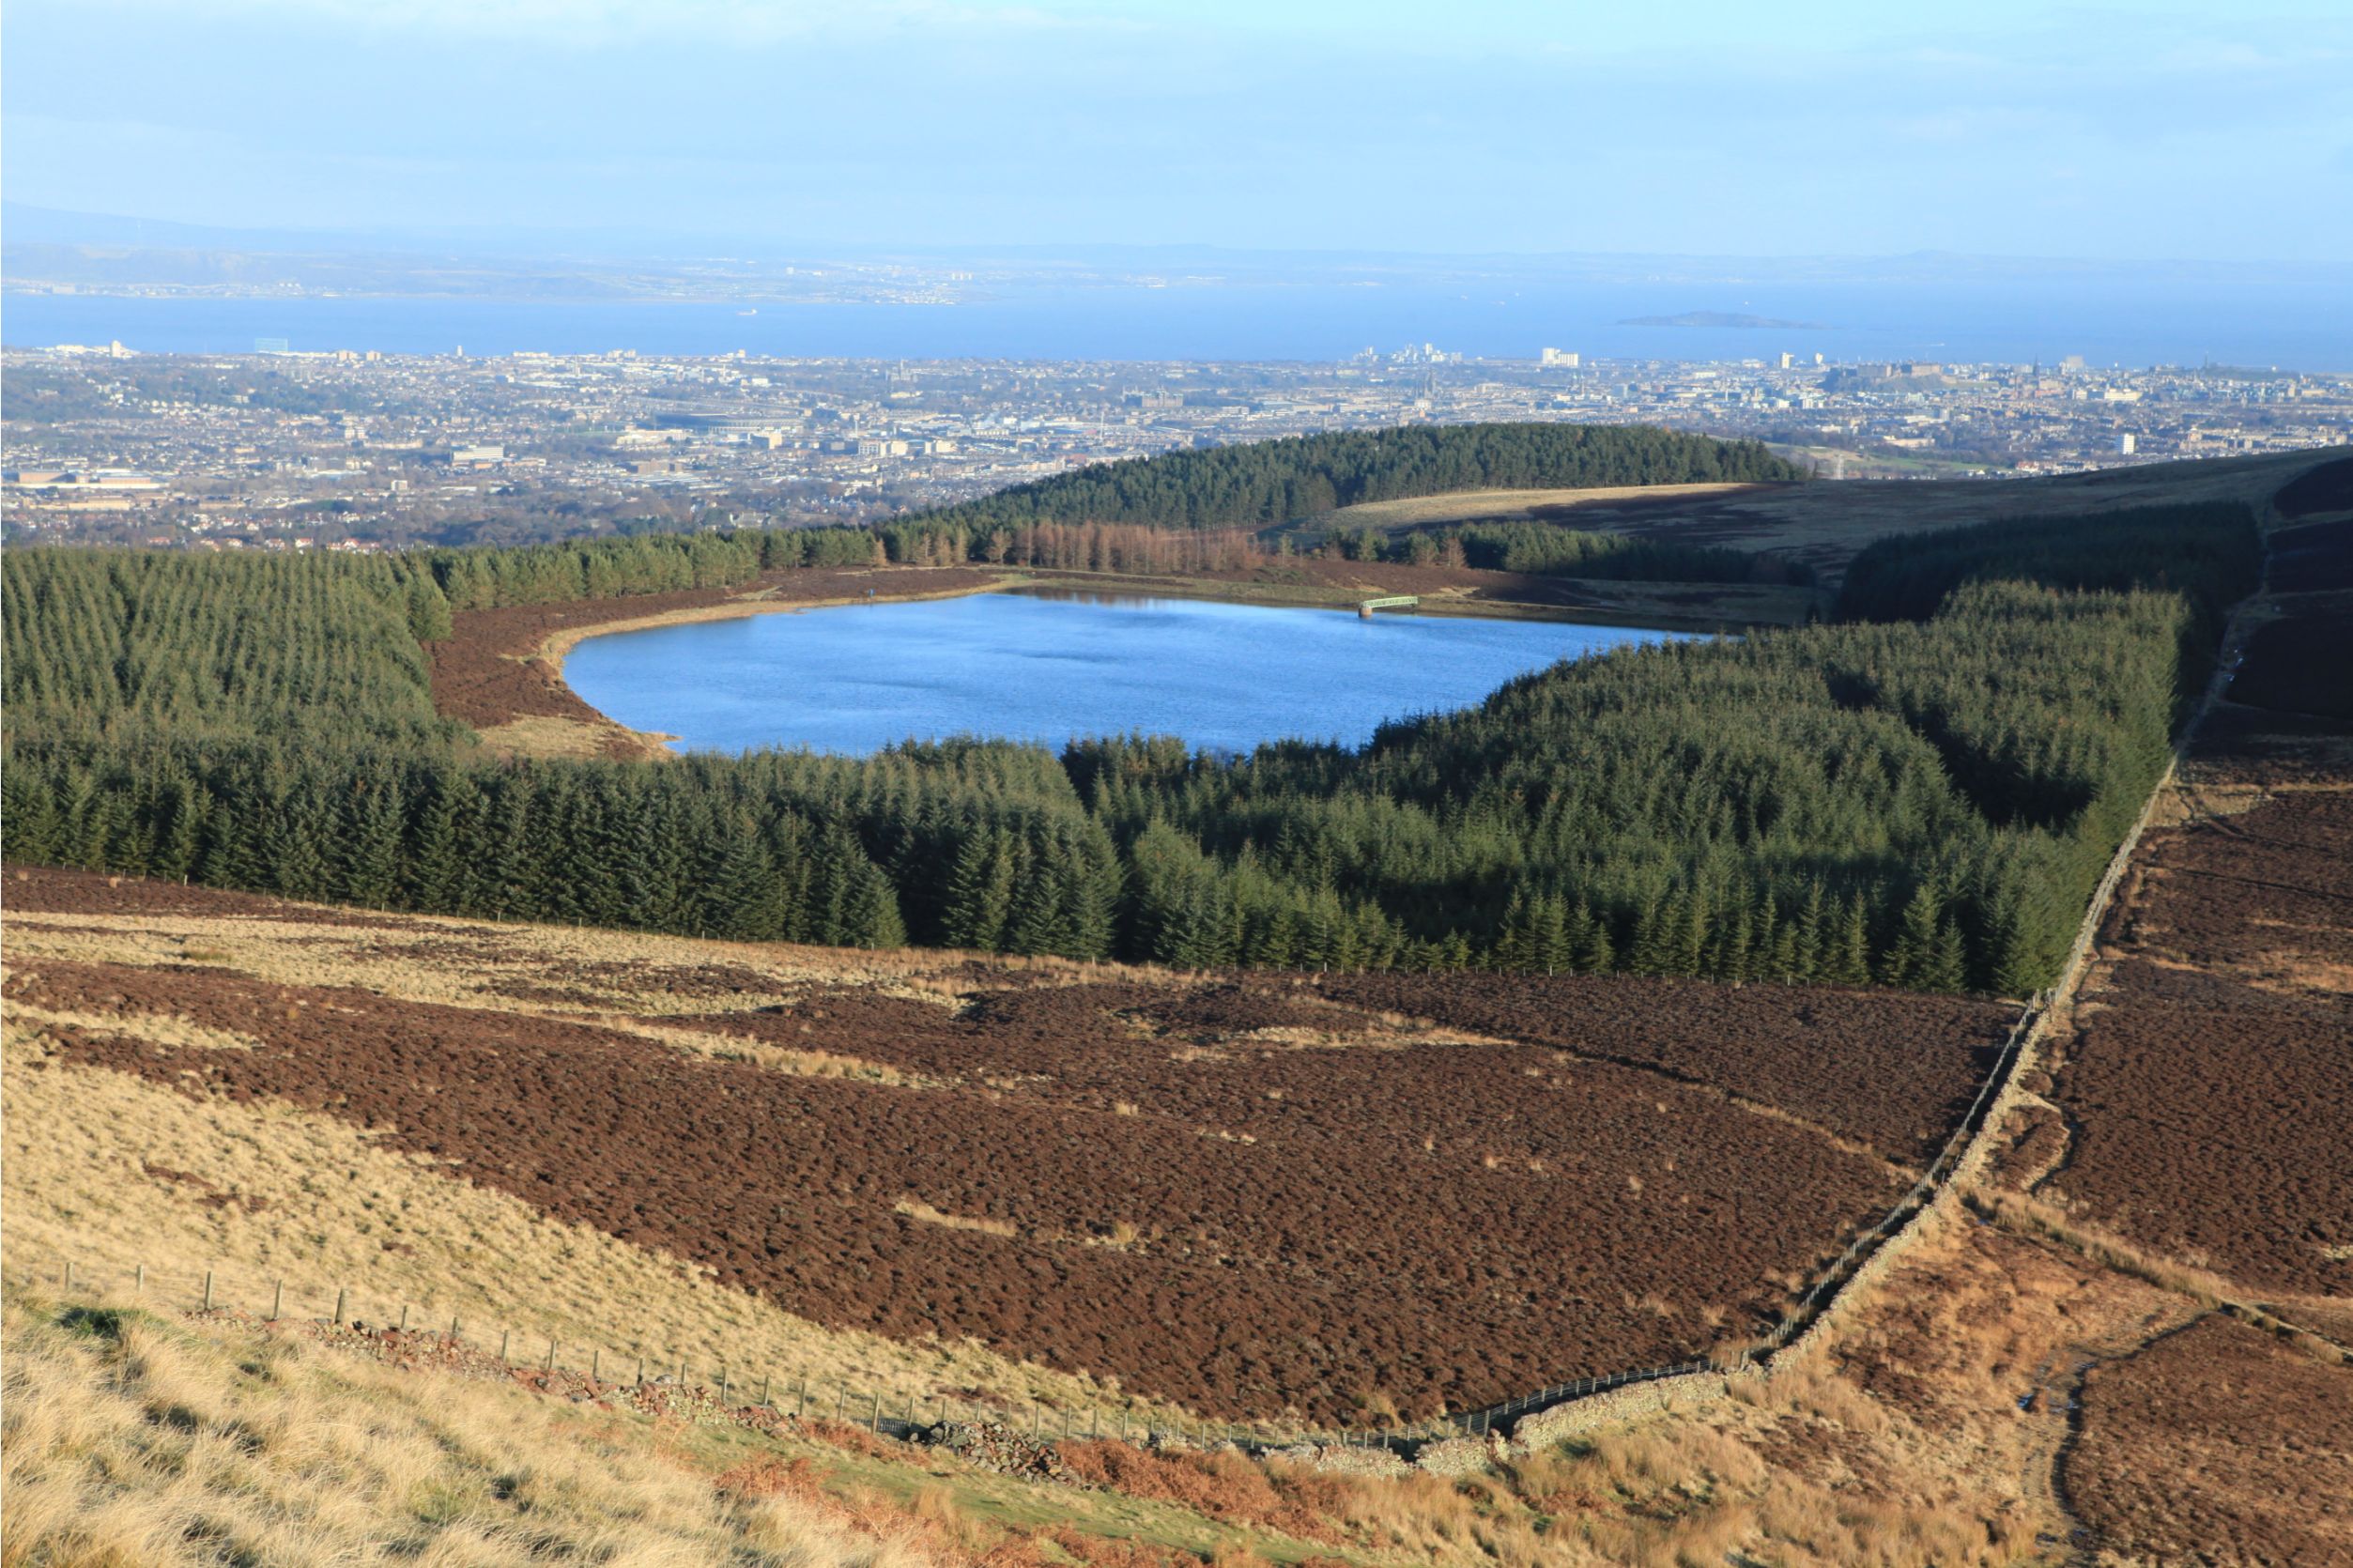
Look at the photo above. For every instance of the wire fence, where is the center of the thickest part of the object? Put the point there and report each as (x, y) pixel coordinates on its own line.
(729, 1385)
(901, 1411)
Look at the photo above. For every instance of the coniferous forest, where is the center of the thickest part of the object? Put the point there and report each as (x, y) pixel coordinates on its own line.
(1267, 482)
(1920, 794)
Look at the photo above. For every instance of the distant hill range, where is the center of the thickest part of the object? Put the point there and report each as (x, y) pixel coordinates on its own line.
(1721, 318)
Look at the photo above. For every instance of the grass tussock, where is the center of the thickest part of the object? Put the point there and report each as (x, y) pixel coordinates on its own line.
(923, 1213)
(80, 1181)
(134, 1440)
(1225, 1486)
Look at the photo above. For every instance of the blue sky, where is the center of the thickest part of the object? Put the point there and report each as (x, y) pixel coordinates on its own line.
(2162, 130)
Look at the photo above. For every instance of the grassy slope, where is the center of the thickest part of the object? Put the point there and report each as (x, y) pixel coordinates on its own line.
(1824, 523)
(1903, 1443)
(337, 1211)
(156, 1437)
(137, 1439)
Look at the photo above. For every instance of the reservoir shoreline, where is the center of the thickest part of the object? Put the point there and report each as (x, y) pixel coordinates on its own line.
(1046, 663)
(501, 671)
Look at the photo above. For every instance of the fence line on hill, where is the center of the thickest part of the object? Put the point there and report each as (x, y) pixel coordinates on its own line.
(896, 1412)
(1833, 1278)
(878, 1405)
(731, 1384)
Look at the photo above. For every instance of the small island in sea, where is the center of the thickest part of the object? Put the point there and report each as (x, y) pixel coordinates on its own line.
(1721, 318)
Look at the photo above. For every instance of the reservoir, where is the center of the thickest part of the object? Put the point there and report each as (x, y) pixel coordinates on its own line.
(1049, 667)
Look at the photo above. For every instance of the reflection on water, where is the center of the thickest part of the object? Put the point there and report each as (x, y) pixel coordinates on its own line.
(1049, 666)
(1091, 596)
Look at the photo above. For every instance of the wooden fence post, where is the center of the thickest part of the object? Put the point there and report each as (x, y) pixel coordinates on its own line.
(506, 1338)
(404, 1317)
(69, 1279)
(139, 1280)
(764, 1390)
(551, 1356)
(596, 1365)
(278, 1302)
(207, 1290)
(874, 1422)
(340, 1292)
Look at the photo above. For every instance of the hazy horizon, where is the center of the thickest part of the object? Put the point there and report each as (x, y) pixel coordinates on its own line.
(68, 226)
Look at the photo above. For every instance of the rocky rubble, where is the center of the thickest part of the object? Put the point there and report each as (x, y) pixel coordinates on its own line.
(990, 1445)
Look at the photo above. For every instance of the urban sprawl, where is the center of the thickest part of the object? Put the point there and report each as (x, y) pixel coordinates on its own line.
(360, 451)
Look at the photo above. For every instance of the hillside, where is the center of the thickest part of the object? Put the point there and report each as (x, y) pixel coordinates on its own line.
(635, 1222)
(1263, 484)
(1524, 834)
(1280, 1154)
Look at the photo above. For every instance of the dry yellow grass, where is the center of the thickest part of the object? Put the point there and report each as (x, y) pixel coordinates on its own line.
(1832, 519)
(1483, 505)
(266, 1191)
(466, 962)
(132, 1440)
(552, 737)
(924, 1213)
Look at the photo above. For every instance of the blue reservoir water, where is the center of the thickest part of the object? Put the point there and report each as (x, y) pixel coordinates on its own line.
(1046, 668)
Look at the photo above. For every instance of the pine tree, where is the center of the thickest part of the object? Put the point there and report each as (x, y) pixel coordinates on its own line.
(747, 901)
(1908, 959)
(1946, 968)
(980, 892)
(1812, 936)
(1847, 959)
(1595, 953)
(367, 846)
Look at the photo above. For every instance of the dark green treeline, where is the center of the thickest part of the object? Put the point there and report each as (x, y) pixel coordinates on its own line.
(1923, 799)
(1265, 483)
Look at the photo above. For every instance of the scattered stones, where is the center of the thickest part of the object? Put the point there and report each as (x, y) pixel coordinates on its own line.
(990, 1445)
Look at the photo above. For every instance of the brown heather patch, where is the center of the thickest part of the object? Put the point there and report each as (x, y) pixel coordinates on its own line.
(331, 1206)
(2217, 1444)
(1413, 1205)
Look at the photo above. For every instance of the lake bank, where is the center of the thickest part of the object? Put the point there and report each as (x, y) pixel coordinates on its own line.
(502, 670)
(1050, 664)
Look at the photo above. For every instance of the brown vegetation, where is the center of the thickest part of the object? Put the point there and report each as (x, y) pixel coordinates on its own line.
(1887, 1069)
(2217, 1444)
(2209, 1088)
(1314, 1208)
